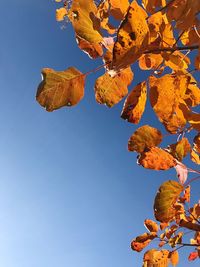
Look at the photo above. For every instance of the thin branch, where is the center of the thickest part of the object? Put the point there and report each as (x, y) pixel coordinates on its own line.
(172, 49)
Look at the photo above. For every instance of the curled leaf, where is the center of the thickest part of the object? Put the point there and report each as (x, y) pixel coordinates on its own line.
(180, 149)
(134, 104)
(60, 88)
(151, 225)
(140, 242)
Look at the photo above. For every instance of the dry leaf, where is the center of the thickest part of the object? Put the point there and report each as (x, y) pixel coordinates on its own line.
(180, 149)
(143, 138)
(151, 226)
(140, 242)
(61, 13)
(174, 257)
(60, 88)
(134, 104)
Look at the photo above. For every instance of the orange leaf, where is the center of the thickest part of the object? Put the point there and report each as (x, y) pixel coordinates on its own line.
(151, 225)
(93, 50)
(156, 258)
(140, 242)
(134, 104)
(132, 37)
(61, 13)
(60, 88)
(180, 149)
(174, 257)
(151, 5)
(150, 61)
(118, 8)
(157, 159)
(110, 90)
(143, 138)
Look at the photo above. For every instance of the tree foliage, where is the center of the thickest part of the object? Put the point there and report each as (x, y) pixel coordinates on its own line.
(163, 38)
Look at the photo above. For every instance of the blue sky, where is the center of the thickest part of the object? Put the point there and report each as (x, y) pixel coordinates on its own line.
(70, 192)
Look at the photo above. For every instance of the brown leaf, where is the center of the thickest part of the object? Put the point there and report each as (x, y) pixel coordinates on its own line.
(140, 242)
(132, 37)
(157, 159)
(118, 8)
(143, 138)
(180, 149)
(60, 88)
(92, 50)
(151, 225)
(177, 239)
(110, 90)
(156, 258)
(165, 198)
(176, 61)
(134, 104)
(151, 5)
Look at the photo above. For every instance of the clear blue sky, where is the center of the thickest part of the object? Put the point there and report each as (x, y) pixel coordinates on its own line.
(70, 192)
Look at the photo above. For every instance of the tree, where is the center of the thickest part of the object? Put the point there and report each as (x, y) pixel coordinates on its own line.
(159, 35)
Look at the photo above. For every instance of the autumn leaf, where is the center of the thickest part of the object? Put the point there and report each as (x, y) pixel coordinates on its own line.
(193, 256)
(140, 242)
(134, 104)
(192, 94)
(61, 13)
(92, 50)
(151, 5)
(103, 13)
(132, 37)
(176, 61)
(186, 195)
(143, 138)
(182, 172)
(118, 8)
(180, 149)
(165, 198)
(157, 159)
(110, 90)
(177, 239)
(151, 226)
(156, 258)
(174, 257)
(60, 88)
(194, 120)
(83, 19)
(150, 61)
(166, 97)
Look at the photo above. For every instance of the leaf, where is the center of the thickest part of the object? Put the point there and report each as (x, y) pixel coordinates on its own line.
(157, 159)
(103, 12)
(118, 8)
(196, 143)
(151, 5)
(195, 157)
(194, 120)
(143, 138)
(151, 226)
(195, 212)
(174, 257)
(166, 97)
(177, 239)
(190, 36)
(82, 15)
(110, 90)
(134, 104)
(192, 94)
(92, 50)
(132, 37)
(150, 61)
(176, 61)
(182, 172)
(193, 255)
(165, 198)
(180, 149)
(60, 88)
(156, 258)
(61, 13)
(140, 242)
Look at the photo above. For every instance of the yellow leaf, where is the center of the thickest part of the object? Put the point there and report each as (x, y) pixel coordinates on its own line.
(192, 94)
(194, 120)
(176, 61)
(195, 157)
(157, 159)
(165, 198)
(118, 8)
(61, 13)
(173, 241)
(110, 90)
(132, 37)
(82, 14)
(143, 138)
(103, 13)
(60, 88)
(180, 149)
(134, 104)
(174, 257)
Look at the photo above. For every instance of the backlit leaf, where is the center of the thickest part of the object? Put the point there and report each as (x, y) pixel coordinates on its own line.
(182, 172)
(132, 37)
(93, 50)
(150, 61)
(194, 120)
(118, 8)
(143, 138)
(82, 15)
(174, 257)
(156, 258)
(176, 61)
(180, 149)
(60, 88)
(110, 90)
(140, 242)
(61, 13)
(165, 198)
(193, 256)
(151, 5)
(134, 104)
(192, 94)
(157, 159)
(151, 225)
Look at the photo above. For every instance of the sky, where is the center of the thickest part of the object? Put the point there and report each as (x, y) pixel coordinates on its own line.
(70, 192)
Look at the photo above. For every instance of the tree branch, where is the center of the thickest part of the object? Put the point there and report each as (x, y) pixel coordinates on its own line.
(171, 49)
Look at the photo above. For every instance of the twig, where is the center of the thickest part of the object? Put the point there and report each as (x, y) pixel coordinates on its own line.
(172, 49)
